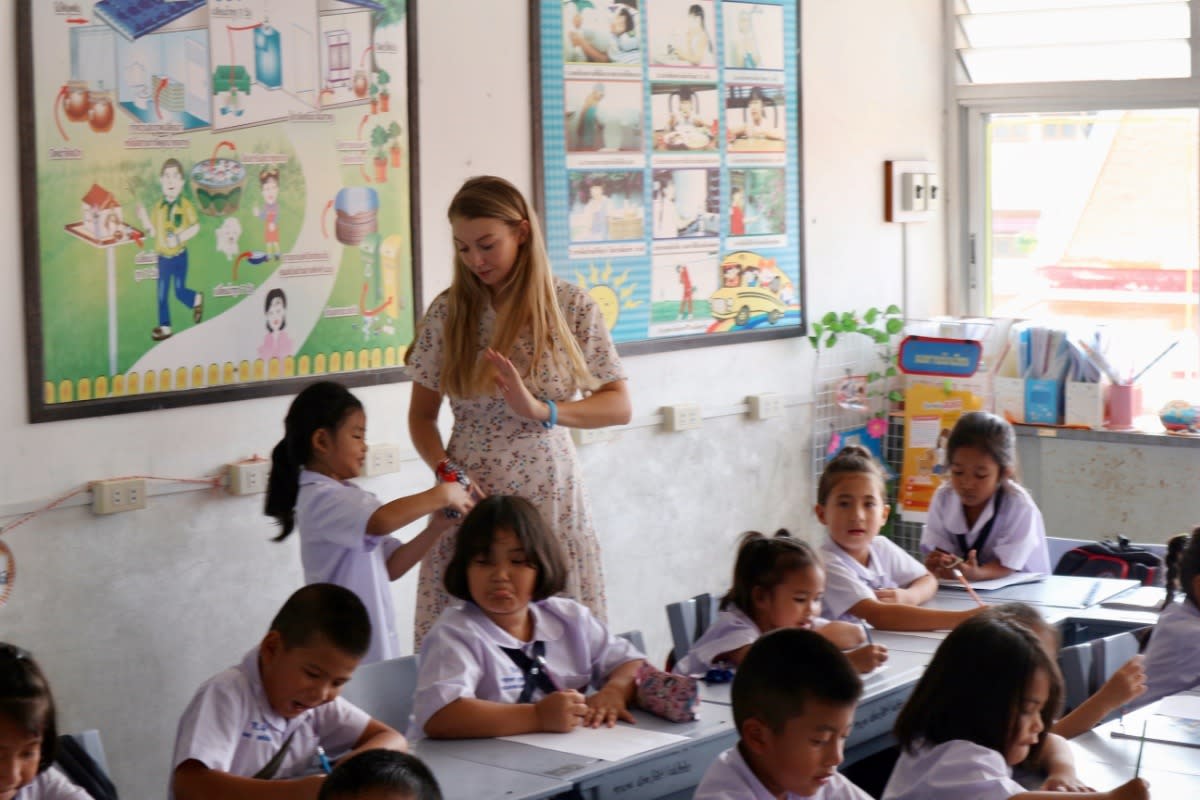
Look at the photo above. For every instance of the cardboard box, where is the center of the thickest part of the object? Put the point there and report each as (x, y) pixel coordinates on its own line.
(1043, 401)
(1010, 398)
(1084, 403)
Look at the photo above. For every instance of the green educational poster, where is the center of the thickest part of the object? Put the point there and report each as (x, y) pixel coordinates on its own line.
(217, 198)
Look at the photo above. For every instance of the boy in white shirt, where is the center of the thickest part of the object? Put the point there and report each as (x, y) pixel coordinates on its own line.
(793, 703)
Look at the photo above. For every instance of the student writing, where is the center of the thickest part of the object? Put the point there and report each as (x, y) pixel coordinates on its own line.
(1173, 655)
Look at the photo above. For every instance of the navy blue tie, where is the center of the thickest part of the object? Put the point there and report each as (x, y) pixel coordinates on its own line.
(533, 669)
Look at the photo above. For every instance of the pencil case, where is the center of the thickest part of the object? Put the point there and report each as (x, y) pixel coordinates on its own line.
(666, 695)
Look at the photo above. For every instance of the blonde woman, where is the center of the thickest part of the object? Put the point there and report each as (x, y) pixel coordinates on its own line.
(522, 356)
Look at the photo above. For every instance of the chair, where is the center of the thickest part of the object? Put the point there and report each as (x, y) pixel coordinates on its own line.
(1075, 662)
(385, 690)
(1110, 653)
(89, 740)
(635, 638)
(689, 620)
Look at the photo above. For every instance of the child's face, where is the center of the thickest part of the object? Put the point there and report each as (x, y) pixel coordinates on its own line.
(804, 754)
(270, 191)
(297, 679)
(1028, 724)
(597, 191)
(501, 580)
(854, 512)
(685, 108)
(341, 453)
(756, 110)
(488, 247)
(276, 314)
(618, 25)
(974, 475)
(171, 181)
(20, 753)
(792, 603)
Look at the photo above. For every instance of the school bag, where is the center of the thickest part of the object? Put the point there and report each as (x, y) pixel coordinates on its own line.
(1109, 559)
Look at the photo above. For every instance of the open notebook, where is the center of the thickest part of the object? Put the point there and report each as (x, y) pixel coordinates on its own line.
(1176, 720)
(996, 583)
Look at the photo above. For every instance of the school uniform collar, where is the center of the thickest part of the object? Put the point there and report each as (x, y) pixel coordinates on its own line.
(546, 627)
(273, 719)
(309, 477)
(868, 571)
(739, 764)
(958, 517)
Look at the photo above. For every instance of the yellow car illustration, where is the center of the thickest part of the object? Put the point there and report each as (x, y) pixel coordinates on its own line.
(750, 284)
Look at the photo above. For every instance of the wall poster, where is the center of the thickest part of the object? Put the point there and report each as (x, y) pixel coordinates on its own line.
(216, 198)
(668, 138)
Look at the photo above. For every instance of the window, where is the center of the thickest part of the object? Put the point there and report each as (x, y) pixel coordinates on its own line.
(1083, 201)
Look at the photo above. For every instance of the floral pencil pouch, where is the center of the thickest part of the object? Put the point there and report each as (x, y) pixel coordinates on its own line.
(666, 695)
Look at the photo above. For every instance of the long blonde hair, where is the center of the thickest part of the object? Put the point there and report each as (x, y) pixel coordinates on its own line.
(534, 305)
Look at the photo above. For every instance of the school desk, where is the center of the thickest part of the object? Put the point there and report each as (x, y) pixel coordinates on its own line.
(1064, 591)
(460, 779)
(1172, 770)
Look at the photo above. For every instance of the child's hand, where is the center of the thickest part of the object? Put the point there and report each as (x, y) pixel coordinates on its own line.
(969, 567)
(868, 657)
(1136, 789)
(896, 595)
(1125, 684)
(456, 496)
(1066, 782)
(561, 712)
(605, 707)
(939, 562)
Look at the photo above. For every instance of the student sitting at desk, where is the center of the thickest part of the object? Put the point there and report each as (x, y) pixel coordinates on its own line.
(381, 775)
(980, 709)
(793, 705)
(777, 583)
(1173, 656)
(983, 522)
(513, 658)
(255, 730)
(870, 577)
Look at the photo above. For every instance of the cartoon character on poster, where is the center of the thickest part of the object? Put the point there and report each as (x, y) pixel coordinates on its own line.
(269, 211)
(686, 306)
(851, 393)
(276, 344)
(171, 224)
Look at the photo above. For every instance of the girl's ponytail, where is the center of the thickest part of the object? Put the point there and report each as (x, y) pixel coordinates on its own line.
(763, 563)
(1183, 565)
(283, 487)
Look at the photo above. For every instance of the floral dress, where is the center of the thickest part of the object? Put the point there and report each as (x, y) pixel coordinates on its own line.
(508, 454)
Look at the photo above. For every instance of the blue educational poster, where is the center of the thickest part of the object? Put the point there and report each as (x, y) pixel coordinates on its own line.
(670, 149)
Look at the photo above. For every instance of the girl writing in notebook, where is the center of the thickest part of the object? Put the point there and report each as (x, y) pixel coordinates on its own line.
(981, 708)
(868, 576)
(514, 658)
(983, 522)
(777, 583)
(1173, 656)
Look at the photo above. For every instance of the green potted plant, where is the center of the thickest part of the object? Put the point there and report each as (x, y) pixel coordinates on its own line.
(394, 132)
(379, 141)
(382, 78)
(879, 325)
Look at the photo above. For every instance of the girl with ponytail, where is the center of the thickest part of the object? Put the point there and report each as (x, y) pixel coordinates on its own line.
(1173, 656)
(344, 530)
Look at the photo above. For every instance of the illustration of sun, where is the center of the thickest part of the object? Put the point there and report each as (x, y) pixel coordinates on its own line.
(609, 291)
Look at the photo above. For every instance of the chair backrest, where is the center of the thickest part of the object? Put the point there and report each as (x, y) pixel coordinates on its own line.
(1109, 653)
(635, 638)
(385, 690)
(1075, 662)
(689, 619)
(1057, 546)
(89, 740)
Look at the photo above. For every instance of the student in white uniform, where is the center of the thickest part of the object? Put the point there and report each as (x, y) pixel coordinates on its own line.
(982, 521)
(777, 583)
(254, 730)
(869, 576)
(513, 658)
(793, 705)
(344, 530)
(381, 775)
(1173, 655)
(29, 733)
(979, 710)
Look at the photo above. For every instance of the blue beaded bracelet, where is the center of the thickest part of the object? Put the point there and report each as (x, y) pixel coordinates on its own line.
(550, 423)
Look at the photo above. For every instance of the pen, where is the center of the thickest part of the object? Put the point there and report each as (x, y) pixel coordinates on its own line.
(1156, 359)
(1138, 767)
(540, 660)
(867, 631)
(1091, 595)
(325, 765)
(966, 585)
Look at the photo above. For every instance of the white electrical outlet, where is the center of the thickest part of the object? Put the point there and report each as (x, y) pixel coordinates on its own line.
(583, 436)
(382, 459)
(122, 494)
(249, 477)
(765, 405)
(682, 417)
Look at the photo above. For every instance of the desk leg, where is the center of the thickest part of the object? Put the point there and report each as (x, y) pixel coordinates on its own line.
(110, 257)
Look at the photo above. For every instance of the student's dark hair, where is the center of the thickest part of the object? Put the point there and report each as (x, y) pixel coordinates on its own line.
(509, 513)
(268, 174)
(171, 163)
(327, 610)
(26, 701)
(974, 686)
(380, 769)
(275, 294)
(1183, 565)
(625, 12)
(989, 434)
(764, 563)
(853, 459)
(786, 668)
(1028, 616)
(321, 405)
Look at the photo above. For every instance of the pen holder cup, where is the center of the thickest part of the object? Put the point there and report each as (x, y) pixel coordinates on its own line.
(1124, 403)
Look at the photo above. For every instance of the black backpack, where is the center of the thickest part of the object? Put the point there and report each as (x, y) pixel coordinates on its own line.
(1109, 559)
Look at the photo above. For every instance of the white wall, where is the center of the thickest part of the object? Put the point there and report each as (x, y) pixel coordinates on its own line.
(129, 613)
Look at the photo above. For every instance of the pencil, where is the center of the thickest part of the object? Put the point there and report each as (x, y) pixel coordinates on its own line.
(966, 585)
(1137, 769)
(1091, 595)
(867, 631)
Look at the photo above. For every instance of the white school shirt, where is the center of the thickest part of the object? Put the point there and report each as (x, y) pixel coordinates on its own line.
(461, 656)
(52, 785)
(335, 548)
(230, 727)
(848, 582)
(1018, 538)
(730, 630)
(952, 770)
(1173, 655)
(730, 778)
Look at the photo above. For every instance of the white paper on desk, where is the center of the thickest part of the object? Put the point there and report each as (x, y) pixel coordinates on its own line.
(1012, 579)
(606, 744)
(1143, 598)
(1185, 706)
